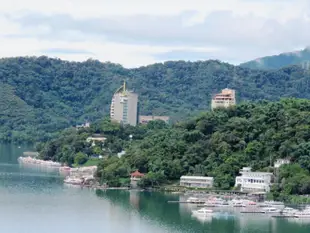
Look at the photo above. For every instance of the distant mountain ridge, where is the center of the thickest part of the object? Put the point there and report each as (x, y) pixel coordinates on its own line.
(40, 96)
(301, 57)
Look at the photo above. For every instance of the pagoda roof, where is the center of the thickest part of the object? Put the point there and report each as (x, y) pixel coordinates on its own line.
(137, 174)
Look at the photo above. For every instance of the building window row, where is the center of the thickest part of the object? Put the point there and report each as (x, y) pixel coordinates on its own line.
(255, 181)
(254, 175)
(205, 181)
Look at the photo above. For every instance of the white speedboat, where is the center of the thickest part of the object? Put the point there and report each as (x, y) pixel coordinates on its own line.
(277, 204)
(204, 212)
(193, 200)
(238, 203)
(288, 211)
(209, 204)
(303, 214)
(270, 210)
(216, 202)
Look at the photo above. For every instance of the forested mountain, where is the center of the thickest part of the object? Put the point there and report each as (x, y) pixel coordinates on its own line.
(215, 144)
(40, 95)
(301, 58)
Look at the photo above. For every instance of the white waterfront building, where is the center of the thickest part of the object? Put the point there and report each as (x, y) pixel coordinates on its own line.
(196, 181)
(279, 162)
(250, 181)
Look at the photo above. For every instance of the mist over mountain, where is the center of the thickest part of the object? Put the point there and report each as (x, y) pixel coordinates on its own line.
(301, 57)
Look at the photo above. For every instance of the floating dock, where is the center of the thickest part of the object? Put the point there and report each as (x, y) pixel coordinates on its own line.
(283, 216)
(252, 212)
(188, 202)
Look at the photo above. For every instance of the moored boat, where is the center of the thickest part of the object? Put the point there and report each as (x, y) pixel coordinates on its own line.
(303, 214)
(288, 211)
(216, 202)
(194, 200)
(238, 203)
(270, 210)
(203, 212)
(276, 204)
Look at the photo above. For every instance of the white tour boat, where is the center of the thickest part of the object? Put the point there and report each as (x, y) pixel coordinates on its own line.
(237, 203)
(204, 212)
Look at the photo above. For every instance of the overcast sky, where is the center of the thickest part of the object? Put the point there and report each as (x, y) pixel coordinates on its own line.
(141, 32)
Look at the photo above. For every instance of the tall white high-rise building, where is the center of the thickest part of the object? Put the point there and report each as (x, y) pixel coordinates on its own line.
(124, 106)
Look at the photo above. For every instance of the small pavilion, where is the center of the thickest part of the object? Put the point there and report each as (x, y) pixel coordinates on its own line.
(134, 178)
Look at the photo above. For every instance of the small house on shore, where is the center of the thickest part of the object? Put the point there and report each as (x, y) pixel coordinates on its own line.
(196, 181)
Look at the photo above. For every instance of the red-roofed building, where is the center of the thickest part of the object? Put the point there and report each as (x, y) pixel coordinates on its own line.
(134, 178)
(136, 174)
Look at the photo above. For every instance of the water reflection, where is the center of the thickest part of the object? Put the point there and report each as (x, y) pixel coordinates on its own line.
(185, 208)
(39, 168)
(205, 219)
(155, 207)
(9, 152)
(134, 198)
(300, 221)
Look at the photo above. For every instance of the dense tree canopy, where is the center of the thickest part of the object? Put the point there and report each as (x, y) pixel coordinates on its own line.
(217, 144)
(39, 95)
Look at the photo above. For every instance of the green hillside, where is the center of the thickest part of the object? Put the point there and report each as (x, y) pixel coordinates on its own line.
(54, 94)
(12, 107)
(301, 58)
(216, 144)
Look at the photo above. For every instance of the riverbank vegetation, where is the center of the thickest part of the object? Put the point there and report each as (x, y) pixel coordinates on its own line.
(40, 96)
(216, 144)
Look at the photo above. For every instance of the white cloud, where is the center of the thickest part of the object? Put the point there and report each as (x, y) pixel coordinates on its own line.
(91, 8)
(129, 55)
(235, 30)
(8, 27)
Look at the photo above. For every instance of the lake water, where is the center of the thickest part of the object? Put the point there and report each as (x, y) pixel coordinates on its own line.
(33, 201)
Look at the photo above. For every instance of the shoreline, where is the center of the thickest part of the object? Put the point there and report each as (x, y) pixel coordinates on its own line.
(77, 177)
(38, 162)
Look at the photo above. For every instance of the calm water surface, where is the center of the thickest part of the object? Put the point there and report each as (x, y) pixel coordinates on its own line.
(33, 201)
